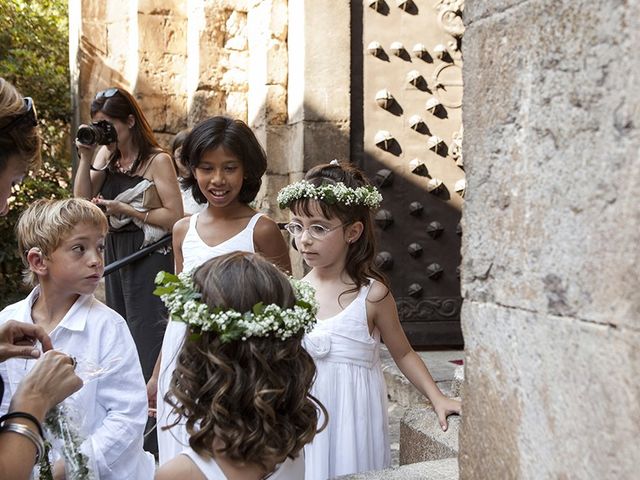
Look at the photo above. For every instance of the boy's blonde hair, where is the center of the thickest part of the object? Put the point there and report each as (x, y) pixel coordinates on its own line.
(46, 223)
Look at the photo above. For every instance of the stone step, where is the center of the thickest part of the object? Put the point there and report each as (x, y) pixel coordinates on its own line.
(442, 365)
(446, 469)
(422, 438)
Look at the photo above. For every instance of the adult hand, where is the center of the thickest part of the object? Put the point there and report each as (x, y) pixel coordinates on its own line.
(85, 151)
(17, 339)
(110, 207)
(51, 380)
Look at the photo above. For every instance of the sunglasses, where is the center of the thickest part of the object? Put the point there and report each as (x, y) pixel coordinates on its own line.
(108, 93)
(28, 118)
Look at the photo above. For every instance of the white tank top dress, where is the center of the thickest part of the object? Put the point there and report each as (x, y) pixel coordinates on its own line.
(287, 470)
(194, 253)
(350, 384)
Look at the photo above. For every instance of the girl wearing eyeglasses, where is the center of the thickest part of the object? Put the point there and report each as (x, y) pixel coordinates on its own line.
(333, 230)
(134, 181)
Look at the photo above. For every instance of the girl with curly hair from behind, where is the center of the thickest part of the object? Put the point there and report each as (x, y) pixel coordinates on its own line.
(242, 379)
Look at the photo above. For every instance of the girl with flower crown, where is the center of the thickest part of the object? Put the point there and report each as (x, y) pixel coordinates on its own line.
(333, 230)
(226, 164)
(242, 378)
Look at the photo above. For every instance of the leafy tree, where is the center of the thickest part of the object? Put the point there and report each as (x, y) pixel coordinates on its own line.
(34, 56)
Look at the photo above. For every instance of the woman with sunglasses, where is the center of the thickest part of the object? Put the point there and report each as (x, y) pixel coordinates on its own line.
(112, 176)
(52, 378)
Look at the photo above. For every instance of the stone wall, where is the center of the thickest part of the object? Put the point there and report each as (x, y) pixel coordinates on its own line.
(188, 60)
(551, 263)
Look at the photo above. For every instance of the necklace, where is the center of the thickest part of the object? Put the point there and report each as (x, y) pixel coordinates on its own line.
(122, 169)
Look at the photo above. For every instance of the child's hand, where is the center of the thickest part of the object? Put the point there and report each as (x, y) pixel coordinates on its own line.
(58, 470)
(444, 407)
(152, 392)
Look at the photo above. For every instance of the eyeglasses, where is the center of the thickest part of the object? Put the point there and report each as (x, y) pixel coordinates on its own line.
(28, 118)
(319, 232)
(108, 93)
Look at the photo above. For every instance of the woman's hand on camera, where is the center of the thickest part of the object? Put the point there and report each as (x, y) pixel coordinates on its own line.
(85, 151)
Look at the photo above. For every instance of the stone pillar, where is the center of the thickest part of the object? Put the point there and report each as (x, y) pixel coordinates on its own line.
(551, 263)
(319, 82)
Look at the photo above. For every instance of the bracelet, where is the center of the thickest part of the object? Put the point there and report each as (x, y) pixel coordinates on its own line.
(26, 432)
(26, 416)
(146, 216)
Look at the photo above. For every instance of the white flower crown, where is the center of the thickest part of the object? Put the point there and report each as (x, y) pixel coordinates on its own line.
(368, 195)
(185, 305)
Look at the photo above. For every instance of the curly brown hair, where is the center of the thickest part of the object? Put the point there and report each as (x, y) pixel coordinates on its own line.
(251, 396)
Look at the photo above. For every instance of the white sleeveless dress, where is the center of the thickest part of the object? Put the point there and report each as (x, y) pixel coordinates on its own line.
(194, 252)
(287, 470)
(351, 386)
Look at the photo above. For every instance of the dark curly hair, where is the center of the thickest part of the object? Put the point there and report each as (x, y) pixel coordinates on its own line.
(251, 396)
(236, 138)
(361, 254)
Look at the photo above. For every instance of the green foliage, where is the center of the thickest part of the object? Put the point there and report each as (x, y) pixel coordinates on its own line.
(34, 56)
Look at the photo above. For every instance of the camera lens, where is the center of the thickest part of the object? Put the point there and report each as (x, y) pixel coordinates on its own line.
(87, 135)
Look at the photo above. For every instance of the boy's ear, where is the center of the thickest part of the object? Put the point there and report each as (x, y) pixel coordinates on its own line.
(35, 260)
(353, 232)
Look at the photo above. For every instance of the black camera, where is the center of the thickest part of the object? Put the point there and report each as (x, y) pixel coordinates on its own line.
(100, 133)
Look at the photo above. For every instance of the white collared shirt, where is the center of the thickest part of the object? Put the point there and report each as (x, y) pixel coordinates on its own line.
(112, 404)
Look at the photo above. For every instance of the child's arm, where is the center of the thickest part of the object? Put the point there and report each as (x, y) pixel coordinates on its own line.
(383, 313)
(115, 444)
(179, 232)
(269, 242)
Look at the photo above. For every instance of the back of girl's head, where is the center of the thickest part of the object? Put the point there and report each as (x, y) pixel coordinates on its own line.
(361, 253)
(20, 141)
(119, 104)
(252, 395)
(237, 139)
(47, 223)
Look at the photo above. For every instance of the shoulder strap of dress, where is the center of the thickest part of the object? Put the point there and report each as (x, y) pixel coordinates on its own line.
(365, 289)
(208, 467)
(254, 220)
(193, 220)
(153, 157)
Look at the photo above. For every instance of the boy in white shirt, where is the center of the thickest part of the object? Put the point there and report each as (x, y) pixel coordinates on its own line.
(62, 243)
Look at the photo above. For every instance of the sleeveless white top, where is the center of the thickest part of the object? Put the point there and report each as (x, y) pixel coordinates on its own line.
(350, 384)
(287, 470)
(194, 253)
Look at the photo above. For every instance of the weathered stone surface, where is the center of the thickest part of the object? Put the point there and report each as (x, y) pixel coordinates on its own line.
(551, 121)
(319, 61)
(436, 470)
(547, 397)
(422, 438)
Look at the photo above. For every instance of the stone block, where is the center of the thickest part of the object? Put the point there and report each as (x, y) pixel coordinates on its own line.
(324, 141)
(206, 104)
(319, 61)
(276, 106)
(446, 469)
(547, 220)
(422, 438)
(236, 105)
(547, 396)
(236, 31)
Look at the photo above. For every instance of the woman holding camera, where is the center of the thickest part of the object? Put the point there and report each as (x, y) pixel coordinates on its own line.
(124, 171)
